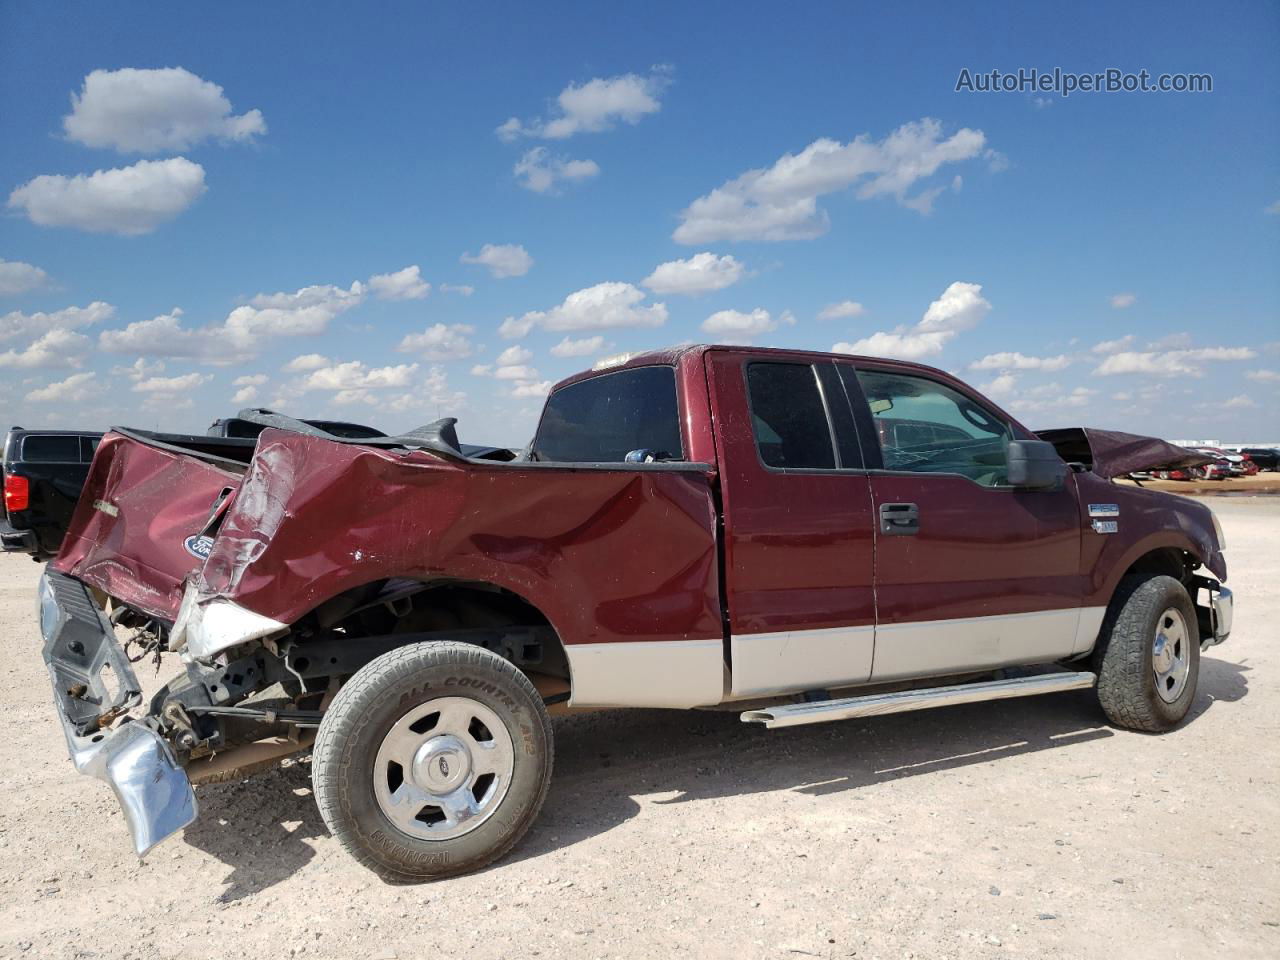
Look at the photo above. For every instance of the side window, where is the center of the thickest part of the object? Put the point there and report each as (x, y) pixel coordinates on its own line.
(926, 427)
(88, 447)
(788, 416)
(45, 449)
(602, 419)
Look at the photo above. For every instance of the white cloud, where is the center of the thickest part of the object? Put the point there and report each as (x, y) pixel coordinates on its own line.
(1051, 397)
(57, 348)
(514, 354)
(780, 202)
(75, 389)
(248, 391)
(738, 325)
(1121, 300)
(306, 312)
(1020, 361)
(459, 288)
(701, 273)
(578, 348)
(595, 106)
(604, 306)
(482, 369)
(1001, 386)
(1172, 363)
(171, 393)
(17, 277)
(532, 388)
(308, 361)
(1111, 346)
(127, 200)
(502, 259)
(1262, 376)
(18, 324)
(440, 342)
(844, 310)
(181, 384)
(140, 369)
(148, 111)
(515, 372)
(540, 171)
(961, 307)
(1240, 401)
(354, 375)
(406, 284)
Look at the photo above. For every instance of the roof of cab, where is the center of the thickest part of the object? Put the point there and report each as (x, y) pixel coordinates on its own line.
(671, 356)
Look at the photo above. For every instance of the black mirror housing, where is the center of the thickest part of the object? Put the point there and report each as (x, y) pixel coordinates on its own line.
(1035, 465)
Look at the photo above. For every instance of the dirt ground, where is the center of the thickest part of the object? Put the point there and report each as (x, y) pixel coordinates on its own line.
(1019, 829)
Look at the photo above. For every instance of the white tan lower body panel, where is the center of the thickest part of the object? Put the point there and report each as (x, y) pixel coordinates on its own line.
(691, 673)
(765, 663)
(668, 673)
(935, 647)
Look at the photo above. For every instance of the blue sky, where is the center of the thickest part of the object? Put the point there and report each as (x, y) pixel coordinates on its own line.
(811, 178)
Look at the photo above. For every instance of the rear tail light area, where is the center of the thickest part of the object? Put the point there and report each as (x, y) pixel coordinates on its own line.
(17, 494)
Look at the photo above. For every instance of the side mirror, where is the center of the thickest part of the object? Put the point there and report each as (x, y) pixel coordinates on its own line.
(1035, 465)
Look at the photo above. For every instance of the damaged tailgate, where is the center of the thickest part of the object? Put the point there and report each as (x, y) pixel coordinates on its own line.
(138, 529)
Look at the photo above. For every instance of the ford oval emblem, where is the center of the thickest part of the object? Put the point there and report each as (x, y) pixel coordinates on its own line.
(198, 546)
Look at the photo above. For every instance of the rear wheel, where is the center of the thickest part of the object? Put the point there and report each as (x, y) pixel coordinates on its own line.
(1148, 663)
(432, 761)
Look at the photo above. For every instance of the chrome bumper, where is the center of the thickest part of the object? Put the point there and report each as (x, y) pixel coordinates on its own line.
(80, 652)
(1215, 617)
(1222, 608)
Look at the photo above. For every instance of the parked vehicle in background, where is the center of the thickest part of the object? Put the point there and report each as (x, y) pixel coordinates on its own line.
(1267, 458)
(798, 536)
(43, 473)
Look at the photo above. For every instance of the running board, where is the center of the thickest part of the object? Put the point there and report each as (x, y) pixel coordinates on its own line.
(875, 704)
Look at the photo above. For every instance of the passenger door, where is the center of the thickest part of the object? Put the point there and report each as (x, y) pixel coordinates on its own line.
(970, 572)
(798, 524)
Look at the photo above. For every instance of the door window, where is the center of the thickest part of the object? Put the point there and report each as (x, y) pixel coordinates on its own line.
(926, 427)
(788, 417)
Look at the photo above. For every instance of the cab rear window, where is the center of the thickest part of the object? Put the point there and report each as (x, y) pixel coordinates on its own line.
(602, 419)
(37, 448)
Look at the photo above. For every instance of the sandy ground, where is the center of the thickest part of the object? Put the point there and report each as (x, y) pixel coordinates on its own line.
(1020, 829)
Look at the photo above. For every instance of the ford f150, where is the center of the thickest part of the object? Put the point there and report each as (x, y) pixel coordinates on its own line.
(801, 536)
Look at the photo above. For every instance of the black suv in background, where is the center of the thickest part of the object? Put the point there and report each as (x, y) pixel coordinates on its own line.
(43, 473)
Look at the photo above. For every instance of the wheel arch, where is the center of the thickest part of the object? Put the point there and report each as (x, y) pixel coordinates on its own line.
(438, 605)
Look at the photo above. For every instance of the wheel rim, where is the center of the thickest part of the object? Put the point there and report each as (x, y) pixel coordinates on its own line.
(443, 768)
(1170, 655)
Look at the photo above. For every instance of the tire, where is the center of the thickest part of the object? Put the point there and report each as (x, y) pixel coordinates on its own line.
(1148, 660)
(416, 709)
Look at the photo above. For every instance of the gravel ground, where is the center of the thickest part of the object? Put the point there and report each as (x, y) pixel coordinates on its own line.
(1022, 828)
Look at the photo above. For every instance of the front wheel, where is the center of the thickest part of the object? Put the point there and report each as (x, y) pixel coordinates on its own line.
(1148, 662)
(432, 761)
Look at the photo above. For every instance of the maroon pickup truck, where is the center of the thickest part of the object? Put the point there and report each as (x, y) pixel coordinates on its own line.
(799, 536)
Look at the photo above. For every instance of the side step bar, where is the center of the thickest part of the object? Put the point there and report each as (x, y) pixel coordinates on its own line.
(821, 711)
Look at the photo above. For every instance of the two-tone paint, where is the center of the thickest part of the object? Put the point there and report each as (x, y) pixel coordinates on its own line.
(675, 584)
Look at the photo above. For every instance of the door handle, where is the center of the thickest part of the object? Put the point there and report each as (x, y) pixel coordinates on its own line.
(899, 519)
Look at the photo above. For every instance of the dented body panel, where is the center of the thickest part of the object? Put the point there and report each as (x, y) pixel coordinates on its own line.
(312, 518)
